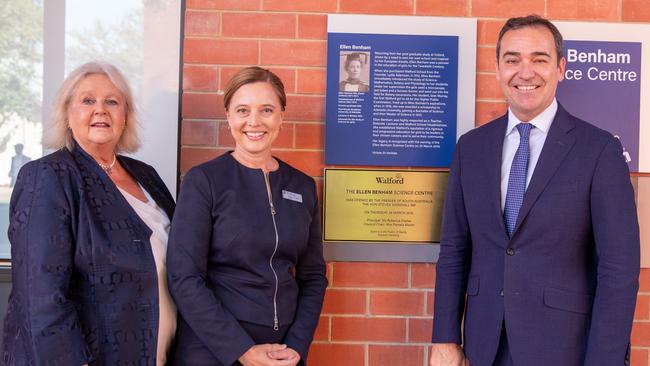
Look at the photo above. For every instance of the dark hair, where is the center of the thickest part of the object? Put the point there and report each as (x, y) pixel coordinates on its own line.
(533, 21)
(356, 56)
(254, 74)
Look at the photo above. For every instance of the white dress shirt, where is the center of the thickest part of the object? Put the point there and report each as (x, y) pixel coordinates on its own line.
(156, 219)
(542, 123)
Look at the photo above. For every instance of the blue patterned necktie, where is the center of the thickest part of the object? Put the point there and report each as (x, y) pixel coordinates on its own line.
(517, 180)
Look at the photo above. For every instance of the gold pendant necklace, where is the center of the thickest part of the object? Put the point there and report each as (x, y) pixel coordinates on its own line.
(108, 168)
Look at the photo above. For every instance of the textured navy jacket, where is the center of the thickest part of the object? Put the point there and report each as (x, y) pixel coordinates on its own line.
(85, 288)
(226, 268)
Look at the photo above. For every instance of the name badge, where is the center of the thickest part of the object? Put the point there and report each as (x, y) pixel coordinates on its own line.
(292, 196)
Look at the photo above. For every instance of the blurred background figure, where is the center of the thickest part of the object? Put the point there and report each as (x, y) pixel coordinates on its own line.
(17, 162)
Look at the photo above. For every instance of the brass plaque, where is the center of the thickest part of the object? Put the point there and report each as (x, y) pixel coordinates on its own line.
(383, 205)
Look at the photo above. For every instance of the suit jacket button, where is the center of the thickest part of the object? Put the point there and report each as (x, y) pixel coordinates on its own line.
(510, 251)
(501, 293)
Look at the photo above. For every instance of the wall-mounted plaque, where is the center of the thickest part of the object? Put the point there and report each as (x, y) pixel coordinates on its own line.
(400, 206)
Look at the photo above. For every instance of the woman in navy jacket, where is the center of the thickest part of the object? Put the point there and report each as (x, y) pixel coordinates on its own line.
(246, 265)
(88, 276)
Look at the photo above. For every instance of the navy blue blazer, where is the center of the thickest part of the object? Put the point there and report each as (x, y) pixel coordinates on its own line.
(566, 283)
(85, 288)
(225, 269)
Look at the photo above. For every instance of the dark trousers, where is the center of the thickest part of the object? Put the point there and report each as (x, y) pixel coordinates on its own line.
(503, 357)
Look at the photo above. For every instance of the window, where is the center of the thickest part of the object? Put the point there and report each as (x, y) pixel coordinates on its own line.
(41, 41)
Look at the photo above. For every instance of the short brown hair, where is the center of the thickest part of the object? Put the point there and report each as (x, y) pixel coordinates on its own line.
(254, 74)
(533, 21)
(59, 135)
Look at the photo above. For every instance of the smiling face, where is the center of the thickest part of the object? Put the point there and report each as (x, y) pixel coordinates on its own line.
(354, 69)
(255, 116)
(528, 70)
(97, 113)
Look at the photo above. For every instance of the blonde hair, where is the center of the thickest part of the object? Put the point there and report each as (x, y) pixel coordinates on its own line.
(59, 134)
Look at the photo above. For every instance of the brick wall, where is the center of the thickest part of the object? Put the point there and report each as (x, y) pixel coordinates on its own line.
(374, 313)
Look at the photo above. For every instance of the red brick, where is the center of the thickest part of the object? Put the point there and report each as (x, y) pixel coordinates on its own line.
(330, 266)
(487, 111)
(488, 32)
(376, 6)
(487, 87)
(202, 106)
(270, 25)
(224, 4)
(344, 302)
(639, 357)
(193, 156)
(368, 329)
(201, 23)
(309, 162)
(506, 8)
(309, 136)
(641, 334)
(395, 355)
(644, 280)
(305, 108)
(486, 59)
(312, 81)
(636, 11)
(294, 53)
(319, 6)
(199, 133)
(331, 354)
(319, 192)
(288, 77)
(430, 302)
(642, 311)
(225, 136)
(312, 26)
(423, 275)
(220, 51)
(323, 329)
(441, 7)
(420, 330)
(348, 274)
(397, 302)
(200, 78)
(583, 9)
(284, 139)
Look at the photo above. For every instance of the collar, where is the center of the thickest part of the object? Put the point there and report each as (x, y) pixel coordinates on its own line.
(354, 81)
(542, 121)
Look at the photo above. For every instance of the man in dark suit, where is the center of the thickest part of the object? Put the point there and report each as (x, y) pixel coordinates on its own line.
(539, 253)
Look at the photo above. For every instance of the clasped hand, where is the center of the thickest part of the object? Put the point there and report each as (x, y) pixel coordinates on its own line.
(270, 355)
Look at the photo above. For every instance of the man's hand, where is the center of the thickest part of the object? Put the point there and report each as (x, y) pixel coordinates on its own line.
(447, 354)
(287, 354)
(259, 355)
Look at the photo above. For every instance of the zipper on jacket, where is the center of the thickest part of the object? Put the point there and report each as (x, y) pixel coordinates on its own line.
(276, 324)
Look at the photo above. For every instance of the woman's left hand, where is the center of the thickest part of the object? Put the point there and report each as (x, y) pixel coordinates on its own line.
(286, 354)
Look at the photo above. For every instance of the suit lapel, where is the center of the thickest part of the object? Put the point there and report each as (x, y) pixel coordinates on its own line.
(557, 145)
(494, 155)
(147, 183)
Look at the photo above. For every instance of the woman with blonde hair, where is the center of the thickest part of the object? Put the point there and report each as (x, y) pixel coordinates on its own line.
(88, 232)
